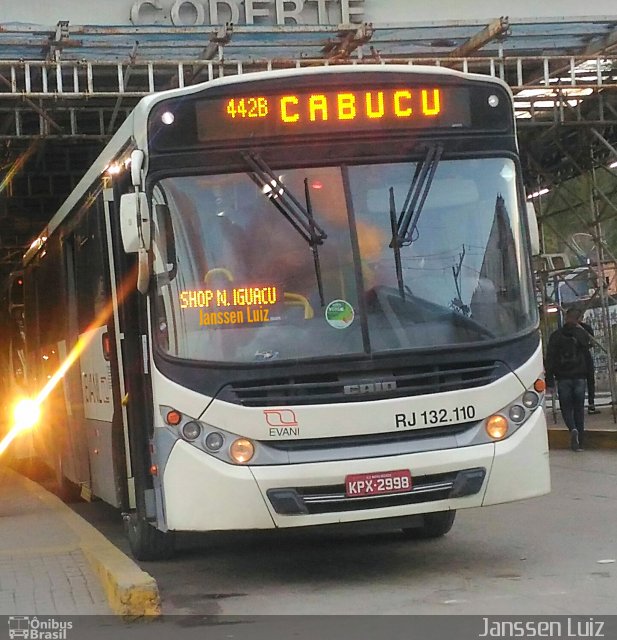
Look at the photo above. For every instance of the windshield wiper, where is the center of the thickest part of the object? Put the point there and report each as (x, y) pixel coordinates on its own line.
(457, 303)
(416, 196)
(298, 215)
(396, 246)
(404, 228)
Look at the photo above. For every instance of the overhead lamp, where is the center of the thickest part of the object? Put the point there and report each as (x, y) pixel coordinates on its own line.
(536, 194)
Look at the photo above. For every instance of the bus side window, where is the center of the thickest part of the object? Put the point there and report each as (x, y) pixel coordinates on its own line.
(90, 271)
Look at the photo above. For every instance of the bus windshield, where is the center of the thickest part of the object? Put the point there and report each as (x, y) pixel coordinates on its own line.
(309, 262)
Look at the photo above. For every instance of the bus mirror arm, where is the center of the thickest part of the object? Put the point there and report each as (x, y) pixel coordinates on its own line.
(137, 163)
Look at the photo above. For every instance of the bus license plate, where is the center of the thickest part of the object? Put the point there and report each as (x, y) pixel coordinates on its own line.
(380, 483)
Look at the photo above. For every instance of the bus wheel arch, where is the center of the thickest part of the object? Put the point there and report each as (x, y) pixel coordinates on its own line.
(146, 541)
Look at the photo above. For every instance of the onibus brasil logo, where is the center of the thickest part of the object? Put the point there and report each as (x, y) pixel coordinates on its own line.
(33, 628)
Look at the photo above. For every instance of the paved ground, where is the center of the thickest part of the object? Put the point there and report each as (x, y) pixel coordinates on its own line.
(42, 569)
(550, 555)
(600, 428)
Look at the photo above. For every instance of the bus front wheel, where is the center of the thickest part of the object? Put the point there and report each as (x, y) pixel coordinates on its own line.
(147, 542)
(435, 525)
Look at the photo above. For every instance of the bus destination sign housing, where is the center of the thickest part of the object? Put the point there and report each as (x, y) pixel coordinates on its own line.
(358, 105)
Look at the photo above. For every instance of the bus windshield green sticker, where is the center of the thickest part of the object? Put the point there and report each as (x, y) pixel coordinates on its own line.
(339, 314)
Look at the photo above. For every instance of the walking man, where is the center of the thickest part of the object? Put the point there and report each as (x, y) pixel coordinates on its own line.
(567, 361)
(591, 376)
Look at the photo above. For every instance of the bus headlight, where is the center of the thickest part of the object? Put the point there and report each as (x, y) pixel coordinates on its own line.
(516, 413)
(214, 441)
(191, 430)
(531, 399)
(508, 419)
(241, 450)
(225, 446)
(496, 427)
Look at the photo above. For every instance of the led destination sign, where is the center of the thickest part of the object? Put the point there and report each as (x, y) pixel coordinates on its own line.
(263, 115)
(233, 306)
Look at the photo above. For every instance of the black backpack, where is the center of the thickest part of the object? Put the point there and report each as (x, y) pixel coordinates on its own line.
(570, 354)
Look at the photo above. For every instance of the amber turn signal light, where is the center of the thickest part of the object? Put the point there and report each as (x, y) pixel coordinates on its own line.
(539, 385)
(173, 417)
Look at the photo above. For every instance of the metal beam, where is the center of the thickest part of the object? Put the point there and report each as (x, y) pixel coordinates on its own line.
(218, 39)
(604, 141)
(33, 105)
(604, 45)
(127, 75)
(349, 38)
(495, 29)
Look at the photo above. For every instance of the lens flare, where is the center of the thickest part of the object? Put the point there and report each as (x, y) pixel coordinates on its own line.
(16, 166)
(26, 413)
(22, 418)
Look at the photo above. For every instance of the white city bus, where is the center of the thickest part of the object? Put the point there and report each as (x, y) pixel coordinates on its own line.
(321, 307)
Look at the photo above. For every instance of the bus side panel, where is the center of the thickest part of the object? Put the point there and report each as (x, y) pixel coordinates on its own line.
(67, 316)
(99, 405)
(76, 465)
(98, 415)
(57, 444)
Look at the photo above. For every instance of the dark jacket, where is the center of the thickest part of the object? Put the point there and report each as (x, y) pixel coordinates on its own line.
(553, 366)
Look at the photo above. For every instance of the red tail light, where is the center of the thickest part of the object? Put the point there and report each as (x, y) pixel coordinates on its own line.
(106, 343)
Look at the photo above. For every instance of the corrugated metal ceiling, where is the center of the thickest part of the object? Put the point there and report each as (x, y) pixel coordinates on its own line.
(20, 41)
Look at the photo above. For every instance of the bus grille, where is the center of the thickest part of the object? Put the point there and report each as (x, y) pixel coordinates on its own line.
(330, 499)
(398, 438)
(359, 387)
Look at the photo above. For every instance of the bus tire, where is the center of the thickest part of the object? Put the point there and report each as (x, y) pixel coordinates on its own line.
(435, 525)
(147, 542)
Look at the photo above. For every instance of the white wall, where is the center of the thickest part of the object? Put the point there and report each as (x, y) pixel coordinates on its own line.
(117, 12)
(385, 11)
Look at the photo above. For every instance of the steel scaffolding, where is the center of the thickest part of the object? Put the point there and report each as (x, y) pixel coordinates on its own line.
(592, 284)
(81, 99)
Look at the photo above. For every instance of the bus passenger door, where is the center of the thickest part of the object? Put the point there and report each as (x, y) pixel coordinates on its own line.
(91, 323)
(131, 352)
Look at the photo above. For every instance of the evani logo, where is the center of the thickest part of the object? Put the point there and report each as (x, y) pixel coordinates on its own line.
(368, 387)
(33, 628)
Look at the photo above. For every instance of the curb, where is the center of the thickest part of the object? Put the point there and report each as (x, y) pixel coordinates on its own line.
(130, 591)
(594, 439)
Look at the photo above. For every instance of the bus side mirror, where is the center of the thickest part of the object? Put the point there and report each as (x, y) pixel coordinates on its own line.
(534, 232)
(135, 231)
(134, 222)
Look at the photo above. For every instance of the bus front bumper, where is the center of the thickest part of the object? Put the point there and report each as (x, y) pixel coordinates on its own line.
(202, 493)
